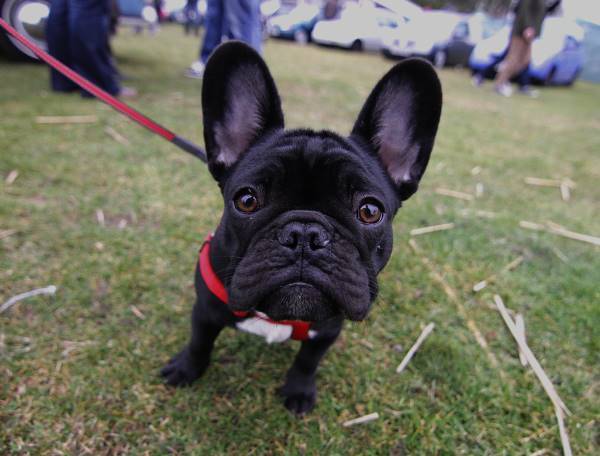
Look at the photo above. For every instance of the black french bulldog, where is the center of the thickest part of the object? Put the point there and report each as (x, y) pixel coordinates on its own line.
(307, 223)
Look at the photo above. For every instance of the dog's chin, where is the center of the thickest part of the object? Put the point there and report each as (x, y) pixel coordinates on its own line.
(298, 301)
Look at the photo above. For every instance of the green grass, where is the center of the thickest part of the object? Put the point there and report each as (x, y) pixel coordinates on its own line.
(105, 395)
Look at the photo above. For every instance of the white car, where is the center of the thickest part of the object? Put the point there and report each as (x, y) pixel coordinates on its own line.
(429, 35)
(358, 28)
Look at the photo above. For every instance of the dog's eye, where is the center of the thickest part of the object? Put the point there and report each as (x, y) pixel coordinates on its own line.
(370, 212)
(246, 201)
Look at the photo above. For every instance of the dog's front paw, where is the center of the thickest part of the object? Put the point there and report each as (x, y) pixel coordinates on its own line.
(182, 369)
(299, 395)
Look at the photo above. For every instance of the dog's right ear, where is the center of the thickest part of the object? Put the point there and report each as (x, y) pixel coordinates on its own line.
(240, 104)
(400, 120)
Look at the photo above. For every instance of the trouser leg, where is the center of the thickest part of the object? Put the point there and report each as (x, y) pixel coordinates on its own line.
(243, 17)
(58, 38)
(89, 25)
(214, 28)
(513, 61)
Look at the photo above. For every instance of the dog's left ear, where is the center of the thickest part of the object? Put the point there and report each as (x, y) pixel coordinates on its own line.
(240, 103)
(400, 119)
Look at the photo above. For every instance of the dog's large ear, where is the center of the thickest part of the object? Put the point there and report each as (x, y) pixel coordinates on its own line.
(240, 103)
(400, 120)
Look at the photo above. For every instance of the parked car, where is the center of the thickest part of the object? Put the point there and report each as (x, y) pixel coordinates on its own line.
(296, 24)
(556, 55)
(443, 37)
(358, 28)
(29, 18)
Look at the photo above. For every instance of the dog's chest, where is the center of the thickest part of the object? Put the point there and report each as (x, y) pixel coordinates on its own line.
(273, 332)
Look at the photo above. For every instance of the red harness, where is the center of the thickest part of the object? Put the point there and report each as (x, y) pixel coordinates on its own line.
(299, 328)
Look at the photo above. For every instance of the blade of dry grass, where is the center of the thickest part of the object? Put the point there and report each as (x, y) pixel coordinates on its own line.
(53, 120)
(49, 290)
(531, 359)
(426, 331)
(454, 194)
(431, 229)
(361, 420)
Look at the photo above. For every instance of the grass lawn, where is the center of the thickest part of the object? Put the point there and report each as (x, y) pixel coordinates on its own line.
(79, 370)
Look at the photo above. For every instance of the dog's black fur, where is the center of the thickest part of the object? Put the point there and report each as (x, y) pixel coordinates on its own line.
(303, 253)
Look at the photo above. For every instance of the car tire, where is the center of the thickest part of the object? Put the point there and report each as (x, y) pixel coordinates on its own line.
(574, 78)
(550, 76)
(356, 46)
(388, 55)
(301, 37)
(12, 12)
(438, 58)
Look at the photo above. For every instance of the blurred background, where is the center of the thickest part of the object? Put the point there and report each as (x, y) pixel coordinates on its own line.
(462, 33)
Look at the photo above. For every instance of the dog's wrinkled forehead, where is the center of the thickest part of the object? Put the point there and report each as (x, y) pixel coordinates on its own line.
(314, 159)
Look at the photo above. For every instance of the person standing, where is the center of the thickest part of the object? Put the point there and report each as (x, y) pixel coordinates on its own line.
(529, 17)
(77, 34)
(228, 19)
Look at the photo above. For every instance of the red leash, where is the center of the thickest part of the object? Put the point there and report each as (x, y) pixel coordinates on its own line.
(107, 98)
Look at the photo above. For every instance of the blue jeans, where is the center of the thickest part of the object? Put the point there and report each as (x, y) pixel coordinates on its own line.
(77, 35)
(231, 19)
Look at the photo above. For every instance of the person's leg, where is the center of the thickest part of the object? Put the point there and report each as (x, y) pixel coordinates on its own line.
(523, 78)
(58, 37)
(213, 28)
(243, 17)
(511, 64)
(89, 24)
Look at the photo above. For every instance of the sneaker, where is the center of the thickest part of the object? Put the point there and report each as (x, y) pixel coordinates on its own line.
(477, 80)
(529, 92)
(195, 71)
(504, 89)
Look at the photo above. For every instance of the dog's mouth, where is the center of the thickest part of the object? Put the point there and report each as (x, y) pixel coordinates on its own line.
(298, 301)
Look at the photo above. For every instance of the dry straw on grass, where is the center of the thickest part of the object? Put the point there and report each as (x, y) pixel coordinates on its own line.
(426, 331)
(53, 120)
(559, 230)
(12, 176)
(454, 194)
(118, 137)
(565, 185)
(361, 420)
(559, 406)
(509, 267)
(6, 233)
(49, 290)
(137, 312)
(431, 229)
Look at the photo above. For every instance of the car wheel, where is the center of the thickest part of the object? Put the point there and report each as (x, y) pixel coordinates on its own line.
(439, 58)
(357, 45)
(301, 36)
(28, 17)
(387, 54)
(550, 77)
(574, 78)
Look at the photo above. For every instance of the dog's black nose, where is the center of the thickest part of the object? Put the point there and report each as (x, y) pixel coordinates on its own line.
(295, 235)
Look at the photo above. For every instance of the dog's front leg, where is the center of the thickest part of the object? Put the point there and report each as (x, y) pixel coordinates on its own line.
(300, 389)
(191, 362)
